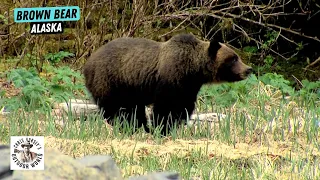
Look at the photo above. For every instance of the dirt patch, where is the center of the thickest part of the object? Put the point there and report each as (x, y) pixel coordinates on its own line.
(8, 87)
(179, 147)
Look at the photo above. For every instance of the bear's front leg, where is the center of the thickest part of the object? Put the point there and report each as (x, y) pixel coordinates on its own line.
(135, 116)
(109, 108)
(166, 115)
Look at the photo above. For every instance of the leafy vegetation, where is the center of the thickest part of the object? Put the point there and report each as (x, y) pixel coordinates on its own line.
(58, 84)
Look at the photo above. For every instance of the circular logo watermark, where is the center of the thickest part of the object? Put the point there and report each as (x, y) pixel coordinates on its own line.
(27, 153)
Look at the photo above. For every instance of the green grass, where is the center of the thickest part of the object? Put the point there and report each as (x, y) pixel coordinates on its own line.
(270, 132)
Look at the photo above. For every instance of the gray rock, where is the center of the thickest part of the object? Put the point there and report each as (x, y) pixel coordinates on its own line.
(60, 166)
(5, 172)
(105, 164)
(157, 176)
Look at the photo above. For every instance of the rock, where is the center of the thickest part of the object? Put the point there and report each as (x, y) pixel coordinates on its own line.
(5, 172)
(210, 117)
(105, 164)
(59, 166)
(79, 107)
(157, 176)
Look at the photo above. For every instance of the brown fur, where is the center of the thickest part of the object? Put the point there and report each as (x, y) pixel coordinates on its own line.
(133, 72)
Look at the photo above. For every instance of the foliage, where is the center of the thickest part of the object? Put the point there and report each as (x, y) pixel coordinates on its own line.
(22, 77)
(310, 89)
(278, 82)
(55, 58)
(269, 61)
(225, 95)
(63, 82)
(250, 49)
(32, 90)
(36, 91)
(271, 38)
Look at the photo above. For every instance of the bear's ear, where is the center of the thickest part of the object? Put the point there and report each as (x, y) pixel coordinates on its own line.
(213, 48)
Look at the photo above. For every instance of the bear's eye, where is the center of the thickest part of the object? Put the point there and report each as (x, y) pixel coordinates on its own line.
(234, 59)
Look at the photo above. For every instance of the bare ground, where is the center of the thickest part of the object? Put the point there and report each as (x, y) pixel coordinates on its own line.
(274, 153)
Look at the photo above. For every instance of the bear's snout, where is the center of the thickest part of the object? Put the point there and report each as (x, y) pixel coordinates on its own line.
(248, 71)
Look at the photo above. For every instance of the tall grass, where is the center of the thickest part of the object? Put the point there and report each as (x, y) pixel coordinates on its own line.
(267, 133)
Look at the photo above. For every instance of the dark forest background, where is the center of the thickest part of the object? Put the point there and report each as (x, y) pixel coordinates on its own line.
(280, 36)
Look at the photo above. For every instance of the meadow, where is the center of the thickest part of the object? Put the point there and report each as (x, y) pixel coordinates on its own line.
(269, 131)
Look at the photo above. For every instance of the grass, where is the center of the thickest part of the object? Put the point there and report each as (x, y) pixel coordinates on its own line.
(264, 135)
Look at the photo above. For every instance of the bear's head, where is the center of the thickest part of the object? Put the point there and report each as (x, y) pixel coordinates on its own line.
(227, 64)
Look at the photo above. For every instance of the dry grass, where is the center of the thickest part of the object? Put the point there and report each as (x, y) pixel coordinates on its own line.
(180, 147)
(275, 153)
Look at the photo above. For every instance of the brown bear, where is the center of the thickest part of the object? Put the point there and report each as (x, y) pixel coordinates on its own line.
(131, 73)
